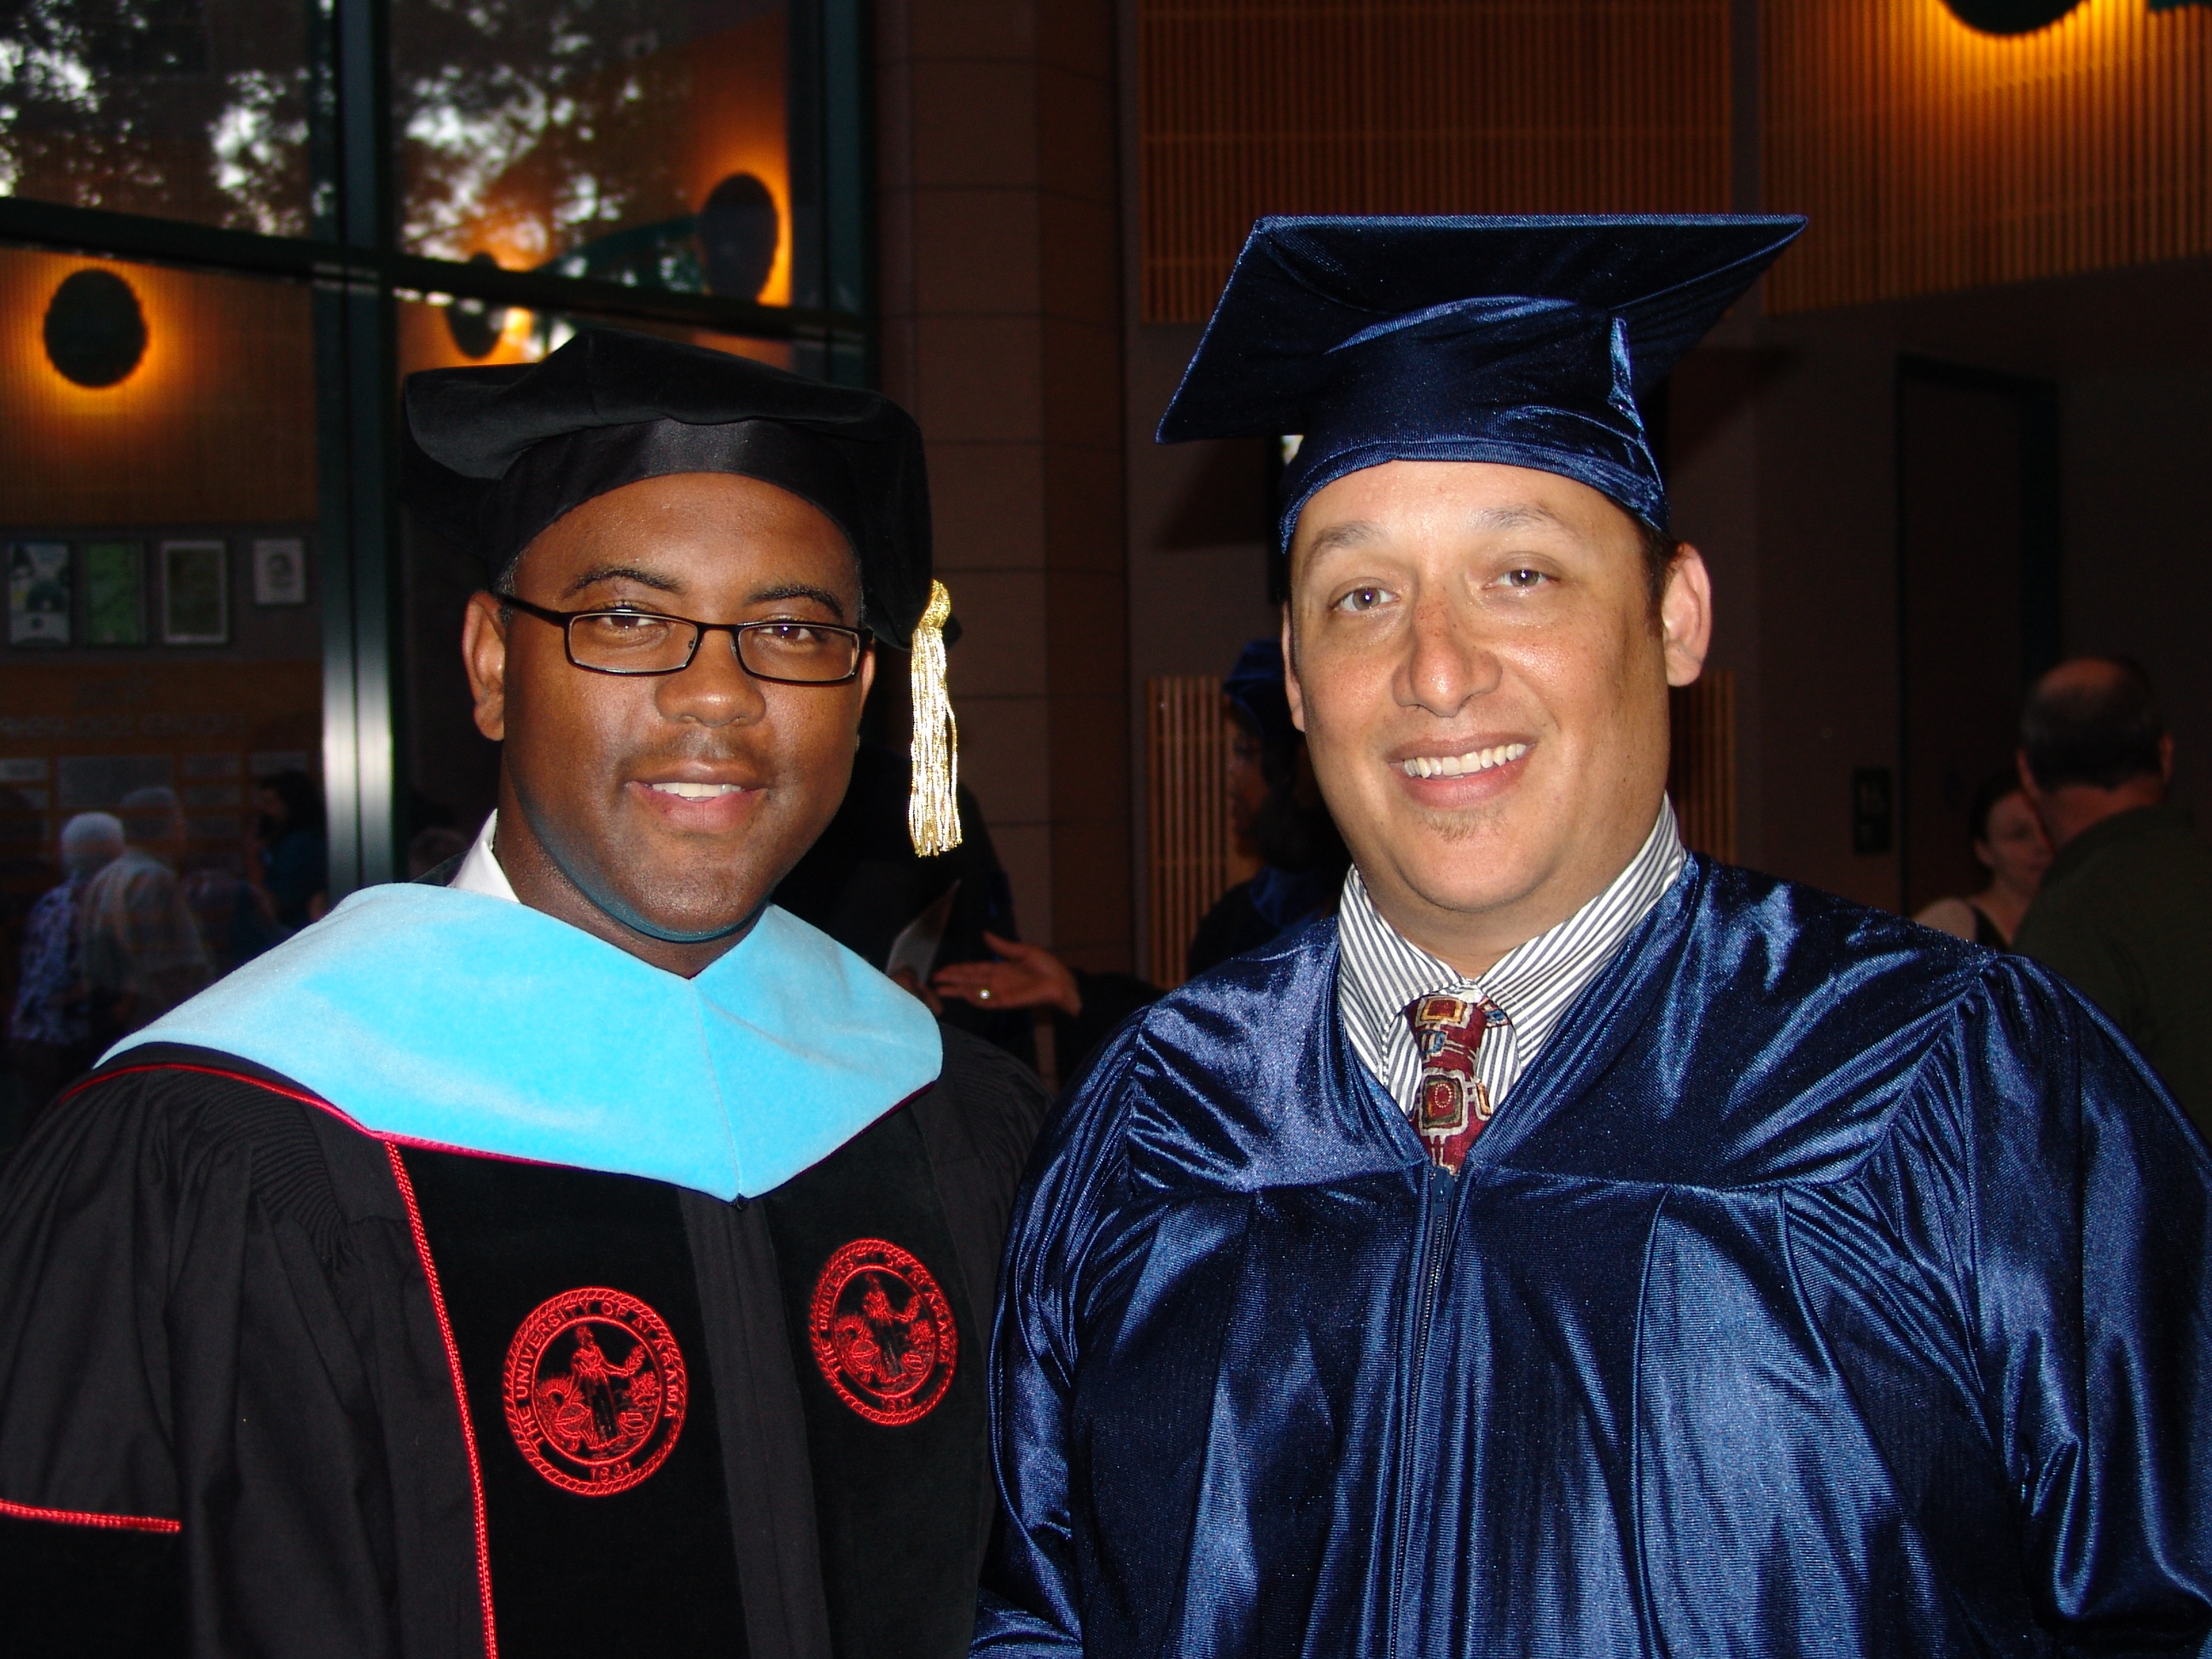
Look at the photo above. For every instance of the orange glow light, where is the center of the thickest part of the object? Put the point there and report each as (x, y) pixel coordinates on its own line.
(1931, 156)
(216, 421)
(737, 126)
(152, 382)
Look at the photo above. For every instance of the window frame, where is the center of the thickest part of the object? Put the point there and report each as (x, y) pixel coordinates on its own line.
(359, 274)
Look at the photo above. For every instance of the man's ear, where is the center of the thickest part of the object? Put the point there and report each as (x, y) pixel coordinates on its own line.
(2165, 758)
(1292, 689)
(483, 654)
(1686, 616)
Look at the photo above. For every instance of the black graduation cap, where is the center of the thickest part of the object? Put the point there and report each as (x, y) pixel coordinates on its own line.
(493, 455)
(1524, 340)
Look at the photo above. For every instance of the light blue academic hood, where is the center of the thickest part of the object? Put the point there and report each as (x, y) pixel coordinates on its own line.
(465, 1021)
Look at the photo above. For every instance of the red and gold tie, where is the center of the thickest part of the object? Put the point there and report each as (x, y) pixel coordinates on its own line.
(1453, 1106)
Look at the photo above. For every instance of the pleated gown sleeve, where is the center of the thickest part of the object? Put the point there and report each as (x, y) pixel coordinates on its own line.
(2089, 1243)
(1031, 1602)
(195, 1438)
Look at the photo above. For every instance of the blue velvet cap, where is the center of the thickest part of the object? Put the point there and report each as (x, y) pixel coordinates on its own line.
(1520, 340)
(1255, 686)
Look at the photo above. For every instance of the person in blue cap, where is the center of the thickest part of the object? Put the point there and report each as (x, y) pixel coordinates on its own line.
(1275, 811)
(1576, 1246)
(1276, 818)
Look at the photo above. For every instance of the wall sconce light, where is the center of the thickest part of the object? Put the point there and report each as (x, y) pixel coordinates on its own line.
(476, 325)
(2009, 17)
(96, 333)
(739, 229)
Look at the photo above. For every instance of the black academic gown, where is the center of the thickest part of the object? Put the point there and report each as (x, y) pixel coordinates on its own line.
(236, 1329)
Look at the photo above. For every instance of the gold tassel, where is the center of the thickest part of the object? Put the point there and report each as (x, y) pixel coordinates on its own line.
(932, 810)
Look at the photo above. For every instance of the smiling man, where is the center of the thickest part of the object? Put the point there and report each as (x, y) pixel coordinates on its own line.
(1576, 1246)
(574, 1253)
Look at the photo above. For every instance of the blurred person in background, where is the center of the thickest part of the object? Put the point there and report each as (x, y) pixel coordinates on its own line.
(143, 952)
(863, 883)
(295, 853)
(1278, 817)
(236, 916)
(2009, 842)
(2125, 911)
(50, 1031)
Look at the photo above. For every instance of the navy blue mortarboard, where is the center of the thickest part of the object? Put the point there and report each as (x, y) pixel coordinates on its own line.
(1255, 685)
(1520, 340)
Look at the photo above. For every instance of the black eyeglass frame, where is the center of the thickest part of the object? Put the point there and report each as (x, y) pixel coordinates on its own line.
(861, 639)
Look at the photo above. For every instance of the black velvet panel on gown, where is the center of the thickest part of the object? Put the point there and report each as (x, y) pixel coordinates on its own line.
(640, 1560)
(894, 1439)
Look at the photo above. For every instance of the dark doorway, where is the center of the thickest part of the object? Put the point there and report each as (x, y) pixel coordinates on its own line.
(1976, 594)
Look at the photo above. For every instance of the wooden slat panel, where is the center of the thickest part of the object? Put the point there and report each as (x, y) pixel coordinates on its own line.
(1930, 157)
(1192, 860)
(1701, 770)
(1256, 106)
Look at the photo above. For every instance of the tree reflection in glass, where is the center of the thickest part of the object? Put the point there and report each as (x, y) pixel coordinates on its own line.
(183, 109)
(635, 141)
(586, 136)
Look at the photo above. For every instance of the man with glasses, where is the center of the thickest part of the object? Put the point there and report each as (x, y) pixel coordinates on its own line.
(572, 1253)
(1576, 1246)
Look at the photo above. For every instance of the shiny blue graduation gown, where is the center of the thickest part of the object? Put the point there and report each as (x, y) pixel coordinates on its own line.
(1827, 1286)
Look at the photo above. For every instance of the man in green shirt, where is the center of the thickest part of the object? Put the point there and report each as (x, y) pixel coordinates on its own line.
(2125, 911)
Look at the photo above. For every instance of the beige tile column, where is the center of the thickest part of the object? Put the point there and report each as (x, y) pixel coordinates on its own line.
(1000, 303)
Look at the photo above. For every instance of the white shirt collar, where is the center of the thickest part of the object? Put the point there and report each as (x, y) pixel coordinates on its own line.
(1380, 972)
(480, 871)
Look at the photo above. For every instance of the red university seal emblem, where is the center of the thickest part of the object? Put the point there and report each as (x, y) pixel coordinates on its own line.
(595, 1390)
(883, 1332)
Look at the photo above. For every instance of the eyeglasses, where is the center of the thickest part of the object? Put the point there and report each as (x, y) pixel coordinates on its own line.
(785, 651)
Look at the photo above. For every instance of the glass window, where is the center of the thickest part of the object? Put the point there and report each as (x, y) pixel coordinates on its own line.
(212, 594)
(163, 655)
(692, 167)
(641, 142)
(181, 109)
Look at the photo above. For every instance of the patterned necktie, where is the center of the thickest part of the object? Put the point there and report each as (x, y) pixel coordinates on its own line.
(1453, 1105)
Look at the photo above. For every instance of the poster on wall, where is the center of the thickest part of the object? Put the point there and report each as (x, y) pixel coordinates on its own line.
(38, 593)
(114, 593)
(280, 571)
(195, 593)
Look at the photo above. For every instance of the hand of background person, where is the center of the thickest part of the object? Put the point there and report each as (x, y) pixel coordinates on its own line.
(1028, 976)
(904, 979)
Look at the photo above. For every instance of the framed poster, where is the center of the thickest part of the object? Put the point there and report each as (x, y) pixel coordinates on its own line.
(195, 593)
(38, 593)
(280, 571)
(115, 593)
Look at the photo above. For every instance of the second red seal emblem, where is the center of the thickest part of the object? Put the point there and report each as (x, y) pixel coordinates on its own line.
(595, 1390)
(883, 1332)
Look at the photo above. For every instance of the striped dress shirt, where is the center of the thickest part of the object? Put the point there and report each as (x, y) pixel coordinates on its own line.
(1380, 973)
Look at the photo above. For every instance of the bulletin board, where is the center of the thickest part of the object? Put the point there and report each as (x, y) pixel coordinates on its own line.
(78, 736)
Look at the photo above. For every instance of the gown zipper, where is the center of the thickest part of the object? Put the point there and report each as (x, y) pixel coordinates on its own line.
(1429, 1268)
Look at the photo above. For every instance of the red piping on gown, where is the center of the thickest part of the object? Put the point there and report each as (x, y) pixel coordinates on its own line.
(392, 1145)
(89, 1518)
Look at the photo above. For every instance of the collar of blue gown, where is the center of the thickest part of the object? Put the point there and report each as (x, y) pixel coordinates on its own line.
(459, 1020)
